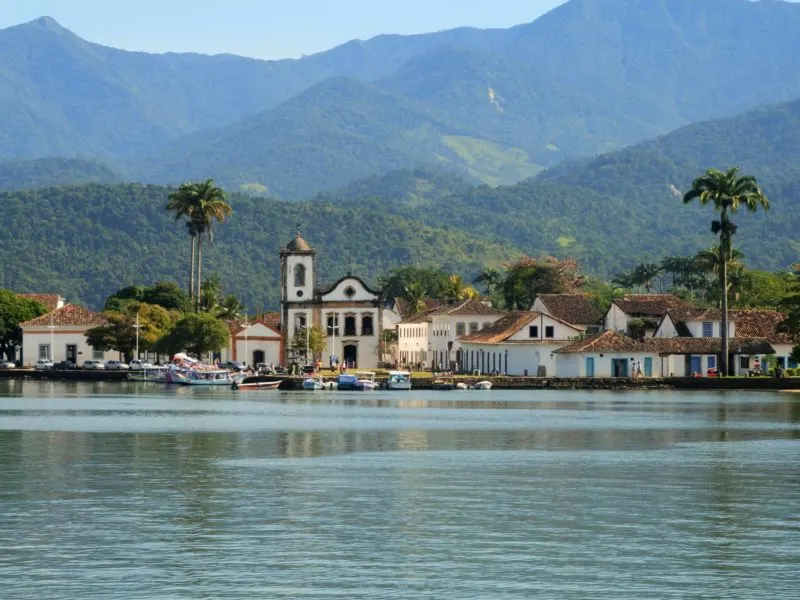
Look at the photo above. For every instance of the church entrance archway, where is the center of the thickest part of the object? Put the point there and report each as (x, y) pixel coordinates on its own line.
(351, 356)
(258, 357)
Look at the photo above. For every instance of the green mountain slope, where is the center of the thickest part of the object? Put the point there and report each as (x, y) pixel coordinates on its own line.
(48, 172)
(87, 241)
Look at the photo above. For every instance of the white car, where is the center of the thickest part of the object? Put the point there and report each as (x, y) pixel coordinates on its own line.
(44, 364)
(7, 364)
(115, 365)
(138, 365)
(94, 365)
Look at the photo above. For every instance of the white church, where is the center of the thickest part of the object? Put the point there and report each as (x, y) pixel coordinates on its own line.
(348, 311)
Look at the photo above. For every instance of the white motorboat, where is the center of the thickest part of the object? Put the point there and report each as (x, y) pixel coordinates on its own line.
(483, 385)
(149, 375)
(365, 381)
(399, 380)
(314, 383)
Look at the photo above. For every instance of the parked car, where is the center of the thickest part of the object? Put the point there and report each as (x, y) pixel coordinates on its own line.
(115, 365)
(44, 364)
(65, 365)
(235, 365)
(94, 365)
(140, 365)
(7, 364)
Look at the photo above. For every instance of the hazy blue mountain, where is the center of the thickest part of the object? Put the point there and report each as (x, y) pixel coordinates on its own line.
(47, 172)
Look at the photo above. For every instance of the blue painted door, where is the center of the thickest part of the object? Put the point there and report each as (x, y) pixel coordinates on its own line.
(696, 365)
(589, 367)
(648, 367)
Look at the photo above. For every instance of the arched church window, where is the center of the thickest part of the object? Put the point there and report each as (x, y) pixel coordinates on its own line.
(299, 276)
(366, 326)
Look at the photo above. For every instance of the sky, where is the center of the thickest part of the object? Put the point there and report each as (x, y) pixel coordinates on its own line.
(262, 28)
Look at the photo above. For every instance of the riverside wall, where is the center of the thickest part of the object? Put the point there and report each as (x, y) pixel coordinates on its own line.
(498, 383)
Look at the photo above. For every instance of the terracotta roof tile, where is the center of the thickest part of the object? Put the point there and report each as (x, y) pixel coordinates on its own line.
(694, 345)
(503, 329)
(49, 301)
(606, 341)
(760, 324)
(403, 306)
(466, 307)
(651, 305)
(70, 315)
(270, 320)
(577, 309)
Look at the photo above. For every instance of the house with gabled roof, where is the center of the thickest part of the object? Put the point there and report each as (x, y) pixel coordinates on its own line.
(519, 344)
(61, 335)
(258, 341)
(577, 309)
(606, 354)
(433, 336)
(49, 301)
(649, 308)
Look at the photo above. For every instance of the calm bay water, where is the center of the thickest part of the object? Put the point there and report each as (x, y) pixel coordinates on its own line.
(122, 492)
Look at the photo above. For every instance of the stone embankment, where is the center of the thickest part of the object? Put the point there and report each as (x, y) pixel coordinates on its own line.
(498, 383)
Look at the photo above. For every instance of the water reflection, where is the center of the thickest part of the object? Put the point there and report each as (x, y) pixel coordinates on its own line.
(560, 495)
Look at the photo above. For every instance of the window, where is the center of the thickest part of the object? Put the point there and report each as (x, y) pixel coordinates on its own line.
(549, 332)
(473, 327)
(712, 362)
(461, 329)
(349, 292)
(299, 276)
(333, 324)
(299, 322)
(366, 326)
(744, 362)
(350, 326)
(98, 354)
(533, 331)
(708, 329)
(44, 352)
(487, 325)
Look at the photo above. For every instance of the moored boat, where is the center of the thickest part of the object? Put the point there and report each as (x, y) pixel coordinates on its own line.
(149, 375)
(399, 380)
(314, 383)
(199, 377)
(346, 381)
(483, 385)
(365, 381)
(257, 385)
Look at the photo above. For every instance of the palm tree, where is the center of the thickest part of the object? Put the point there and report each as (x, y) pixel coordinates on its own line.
(209, 206)
(644, 275)
(230, 309)
(491, 279)
(457, 289)
(182, 202)
(416, 293)
(728, 192)
(708, 260)
(624, 280)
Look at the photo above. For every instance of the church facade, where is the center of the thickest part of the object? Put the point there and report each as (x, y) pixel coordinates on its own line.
(348, 311)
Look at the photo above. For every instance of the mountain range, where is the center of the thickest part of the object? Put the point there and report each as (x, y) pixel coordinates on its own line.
(497, 106)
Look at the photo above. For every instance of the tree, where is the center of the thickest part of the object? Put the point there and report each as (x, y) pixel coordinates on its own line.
(433, 282)
(201, 203)
(210, 206)
(457, 289)
(727, 192)
(644, 274)
(14, 310)
(196, 333)
(166, 294)
(231, 309)
(210, 297)
(309, 342)
(120, 330)
(415, 294)
(528, 277)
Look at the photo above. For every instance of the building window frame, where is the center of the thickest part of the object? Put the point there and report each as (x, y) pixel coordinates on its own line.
(533, 332)
(708, 329)
(549, 332)
(45, 352)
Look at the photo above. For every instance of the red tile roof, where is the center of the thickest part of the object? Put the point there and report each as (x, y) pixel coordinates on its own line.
(49, 301)
(503, 329)
(577, 309)
(270, 320)
(760, 324)
(605, 341)
(694, 345)
(650, 305)
(404, 308)
(467, 307)
(68, 315)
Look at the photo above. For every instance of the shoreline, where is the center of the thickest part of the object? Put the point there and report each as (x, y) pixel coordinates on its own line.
(791, 385)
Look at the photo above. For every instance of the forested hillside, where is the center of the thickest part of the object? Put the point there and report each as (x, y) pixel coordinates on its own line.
(498, 105)
(48, 172)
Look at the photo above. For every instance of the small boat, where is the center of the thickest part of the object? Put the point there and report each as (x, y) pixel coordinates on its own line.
(483, 385)
(314, 383)
(461, 386)
(346, 382)
(149, 375)
(257, 385)
(399, 380)
(443, 385)
(205, 378)
(365, 381)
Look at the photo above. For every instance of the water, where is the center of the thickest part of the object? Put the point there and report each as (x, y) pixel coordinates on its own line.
(121, 492)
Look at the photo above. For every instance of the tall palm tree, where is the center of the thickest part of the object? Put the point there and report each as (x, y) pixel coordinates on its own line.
(727, 191)
(210, 205)
(182, 202)
(415, 294)
(644, 274)
(457, 289)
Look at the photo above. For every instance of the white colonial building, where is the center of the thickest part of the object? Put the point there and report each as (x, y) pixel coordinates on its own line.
(255, 342)
(61, 335)
(520, 344)
(348, 311)
(433, 337)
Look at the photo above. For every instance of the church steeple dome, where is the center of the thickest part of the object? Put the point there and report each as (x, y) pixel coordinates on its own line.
(298, 245)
